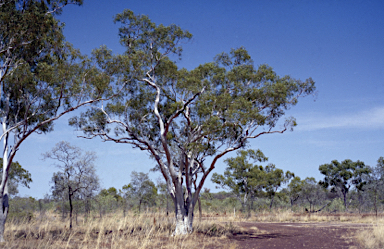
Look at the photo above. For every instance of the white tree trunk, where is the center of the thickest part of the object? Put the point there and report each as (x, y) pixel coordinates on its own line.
(4, 196)
(184, 215)
(3, 219)
(183, 222)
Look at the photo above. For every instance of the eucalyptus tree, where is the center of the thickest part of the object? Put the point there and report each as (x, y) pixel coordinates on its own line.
(42, 77)
(241, 177)
(26, 31)
(375, 183)
(142, 189)
(109, 200)
(77, 173)
(274, 179)
(312, 192)
(294, 189)
(188, 119)
(341, 177)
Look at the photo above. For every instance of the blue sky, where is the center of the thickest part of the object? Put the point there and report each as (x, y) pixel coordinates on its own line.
(340, 44)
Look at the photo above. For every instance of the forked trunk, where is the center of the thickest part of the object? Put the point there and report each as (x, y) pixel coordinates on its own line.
(184, 217)
(183, 223)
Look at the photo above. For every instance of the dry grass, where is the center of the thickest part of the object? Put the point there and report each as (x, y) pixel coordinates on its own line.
(289, 216)
(132, 231)
(153, 230)
(372, 238)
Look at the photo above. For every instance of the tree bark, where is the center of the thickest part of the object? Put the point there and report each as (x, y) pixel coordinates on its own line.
(183, 211)
(345, 201)
(184, 219)
(3, 216)
(70, 208)
(272, 198)
(4, 196)
(200, 211)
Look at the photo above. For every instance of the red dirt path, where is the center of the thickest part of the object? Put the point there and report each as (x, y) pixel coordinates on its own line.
(297, 235)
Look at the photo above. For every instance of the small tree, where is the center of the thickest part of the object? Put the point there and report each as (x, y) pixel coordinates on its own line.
(142, 189)
(312, 192)
(109, 200)
(242, 177)
(77, 173)
(294, 189)
(163, 193)
(375, 183)
(341, 177)
(274, 179)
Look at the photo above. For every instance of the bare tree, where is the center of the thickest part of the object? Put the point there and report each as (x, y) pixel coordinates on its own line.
(77, 174)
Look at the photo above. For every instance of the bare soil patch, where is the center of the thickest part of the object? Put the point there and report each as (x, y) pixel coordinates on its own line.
(297, 235)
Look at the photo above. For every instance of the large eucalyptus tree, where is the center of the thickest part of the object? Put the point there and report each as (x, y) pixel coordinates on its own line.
(188, 119)
(41, 77)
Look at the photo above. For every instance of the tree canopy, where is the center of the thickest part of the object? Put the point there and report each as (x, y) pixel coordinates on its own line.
(141, 189)
(183, 117)
(341, 177)
(241, 177)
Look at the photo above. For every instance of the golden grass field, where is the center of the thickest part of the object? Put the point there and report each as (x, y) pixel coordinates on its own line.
(154, 230)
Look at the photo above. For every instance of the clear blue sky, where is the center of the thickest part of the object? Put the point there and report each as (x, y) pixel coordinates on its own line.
(340, 44)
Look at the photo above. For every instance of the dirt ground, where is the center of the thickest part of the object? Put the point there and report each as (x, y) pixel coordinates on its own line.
(297, 235)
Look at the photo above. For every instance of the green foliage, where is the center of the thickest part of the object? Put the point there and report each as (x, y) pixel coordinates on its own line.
(312, 192)
(141, 189)
(246, 180)
(340, 177)
(22, 209)
(294, 189)
(274, 178)
(183, 117)
(111, 192)
(17, 175)
(220, 102)
(241, 177)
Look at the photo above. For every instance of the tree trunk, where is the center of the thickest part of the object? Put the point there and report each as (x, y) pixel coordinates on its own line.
(272, 198)
(3, 216)
(40, 207)
(124, 207)
(167, 206)
(63, 210)
(184, 219)
(70, 208)
(345, 201)
(249, 211)
(200, 212)
(4, 196)
(243, 207)
(184, 212)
